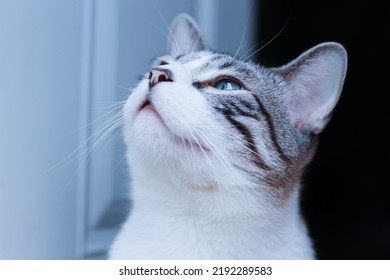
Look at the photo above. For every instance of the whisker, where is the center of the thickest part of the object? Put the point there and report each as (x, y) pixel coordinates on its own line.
(93, 146)
(105, 134)
(116, 108)
(270, 41)
(203, 139)
(251, 49)
(221, 158)
(171, 37)
(115, 118)
(88, 151)
(242, 38)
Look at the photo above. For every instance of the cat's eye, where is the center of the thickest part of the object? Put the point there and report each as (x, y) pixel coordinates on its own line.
(163, 63)
(227, 84)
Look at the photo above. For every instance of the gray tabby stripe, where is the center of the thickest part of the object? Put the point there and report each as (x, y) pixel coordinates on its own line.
(241, 111)
(250, 143)
(271, 129)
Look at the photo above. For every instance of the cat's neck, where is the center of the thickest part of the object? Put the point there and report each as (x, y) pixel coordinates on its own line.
(210, 224)
(212, 201)
(217, 225)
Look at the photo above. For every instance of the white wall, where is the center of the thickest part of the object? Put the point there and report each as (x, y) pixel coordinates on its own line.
(62, 65)
(39, 100)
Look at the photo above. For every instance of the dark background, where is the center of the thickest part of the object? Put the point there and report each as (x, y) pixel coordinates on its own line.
(346, 197)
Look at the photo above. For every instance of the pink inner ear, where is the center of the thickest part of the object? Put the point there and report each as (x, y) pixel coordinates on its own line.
(316, 86)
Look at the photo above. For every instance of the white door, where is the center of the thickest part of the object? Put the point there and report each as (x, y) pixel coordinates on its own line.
(40, 59)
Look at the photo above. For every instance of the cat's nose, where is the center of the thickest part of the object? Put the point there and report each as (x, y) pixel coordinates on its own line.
(157, 75)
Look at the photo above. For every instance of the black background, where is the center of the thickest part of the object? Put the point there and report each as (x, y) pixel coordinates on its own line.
(346, 194)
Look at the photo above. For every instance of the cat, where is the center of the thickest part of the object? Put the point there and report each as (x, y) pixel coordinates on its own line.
(217, 147)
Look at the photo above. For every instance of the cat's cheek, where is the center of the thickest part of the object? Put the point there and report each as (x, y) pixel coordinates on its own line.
(182, 108)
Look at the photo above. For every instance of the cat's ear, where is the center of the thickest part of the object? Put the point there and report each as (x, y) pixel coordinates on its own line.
(315, 80)
(184, 36)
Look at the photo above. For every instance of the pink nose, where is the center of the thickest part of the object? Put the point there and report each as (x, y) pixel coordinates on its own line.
(157, 75)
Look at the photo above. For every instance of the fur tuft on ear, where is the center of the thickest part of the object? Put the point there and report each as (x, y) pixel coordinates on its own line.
(184, 36)
(315, 79)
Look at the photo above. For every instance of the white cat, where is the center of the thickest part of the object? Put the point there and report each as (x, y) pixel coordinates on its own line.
(216, 148)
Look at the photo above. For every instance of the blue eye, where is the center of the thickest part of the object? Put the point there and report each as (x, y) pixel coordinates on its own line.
(227, 84)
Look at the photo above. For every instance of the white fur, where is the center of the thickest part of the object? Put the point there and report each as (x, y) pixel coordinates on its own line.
(178, 227)
(189, 202)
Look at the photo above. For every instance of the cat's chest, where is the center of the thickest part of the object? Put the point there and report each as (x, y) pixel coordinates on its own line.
(189, 239)
(157, 235)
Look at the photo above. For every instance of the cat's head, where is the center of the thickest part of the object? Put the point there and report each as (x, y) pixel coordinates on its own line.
(207, 120)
